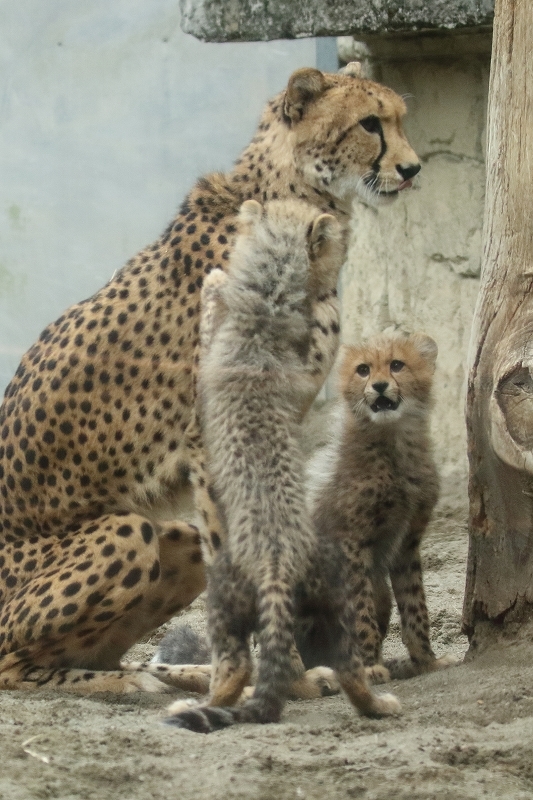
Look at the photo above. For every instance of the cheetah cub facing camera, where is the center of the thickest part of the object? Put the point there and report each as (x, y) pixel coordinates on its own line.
(371, 494)
(254, 373)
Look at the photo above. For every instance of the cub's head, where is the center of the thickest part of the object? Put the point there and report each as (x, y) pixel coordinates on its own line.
(388, 376)
(285, 247)
(346, 134)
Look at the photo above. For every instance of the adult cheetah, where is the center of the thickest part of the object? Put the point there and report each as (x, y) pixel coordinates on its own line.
(98, 431)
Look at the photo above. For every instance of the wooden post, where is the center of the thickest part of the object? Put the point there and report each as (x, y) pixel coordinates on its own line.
(499, 584)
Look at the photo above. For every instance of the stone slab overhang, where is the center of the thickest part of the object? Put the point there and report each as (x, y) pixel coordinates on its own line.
(263, 20)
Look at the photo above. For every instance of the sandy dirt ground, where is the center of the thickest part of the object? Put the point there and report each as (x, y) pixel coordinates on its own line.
(464, 733)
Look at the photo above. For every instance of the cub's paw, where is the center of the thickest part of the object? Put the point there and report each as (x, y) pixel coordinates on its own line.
(377, 674)
(449, 660)
(386, 705)
(247, 693)
(317, 682)
(197, 718)
(325, 680)
(214, 280)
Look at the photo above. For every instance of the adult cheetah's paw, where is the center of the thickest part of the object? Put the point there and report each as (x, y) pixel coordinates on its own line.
(378, 674)
(143, 682)
(189, 677)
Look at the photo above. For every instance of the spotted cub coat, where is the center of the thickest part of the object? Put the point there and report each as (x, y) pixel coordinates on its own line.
(254, 373)
(371, 494)
(99, 440)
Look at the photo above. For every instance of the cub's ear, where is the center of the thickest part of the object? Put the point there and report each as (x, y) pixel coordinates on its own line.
(250, 212)
(304, 86)
(324, 229)
(353, 68)
(426, 346)
(325, 243)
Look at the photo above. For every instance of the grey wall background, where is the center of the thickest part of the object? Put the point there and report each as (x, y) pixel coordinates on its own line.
(108, 113)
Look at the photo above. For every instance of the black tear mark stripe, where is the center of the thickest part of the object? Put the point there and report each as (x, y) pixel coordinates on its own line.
(376, 165)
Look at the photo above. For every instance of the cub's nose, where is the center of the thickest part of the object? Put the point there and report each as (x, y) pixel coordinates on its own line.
(409, 171)
(380, 386)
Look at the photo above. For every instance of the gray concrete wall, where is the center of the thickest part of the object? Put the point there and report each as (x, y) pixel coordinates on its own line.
(416, 263)
(221, 21)
(108, 113)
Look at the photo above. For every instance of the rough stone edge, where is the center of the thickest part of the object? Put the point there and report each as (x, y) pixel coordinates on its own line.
(264, 20)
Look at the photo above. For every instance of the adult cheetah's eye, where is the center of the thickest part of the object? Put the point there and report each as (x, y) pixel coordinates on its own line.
(363, 370)
(371, 124)
(396, 365)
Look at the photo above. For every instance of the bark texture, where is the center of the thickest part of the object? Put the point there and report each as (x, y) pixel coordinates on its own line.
(500, 390)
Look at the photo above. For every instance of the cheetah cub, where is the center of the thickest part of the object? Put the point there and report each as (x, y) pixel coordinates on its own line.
(254, 372)
(371, 494)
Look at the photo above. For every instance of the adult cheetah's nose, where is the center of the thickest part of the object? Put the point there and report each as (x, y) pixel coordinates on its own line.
(408, 171)
(380, 386)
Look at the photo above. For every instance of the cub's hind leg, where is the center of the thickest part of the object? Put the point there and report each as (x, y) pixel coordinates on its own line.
(382, 604)
(270, 610)
(231, 619)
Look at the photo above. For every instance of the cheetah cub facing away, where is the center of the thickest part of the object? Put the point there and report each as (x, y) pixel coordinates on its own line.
(254, 372)
(371, 494)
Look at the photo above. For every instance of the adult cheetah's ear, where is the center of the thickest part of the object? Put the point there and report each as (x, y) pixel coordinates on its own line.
(426, 346)
(250, 212)
(304, 86)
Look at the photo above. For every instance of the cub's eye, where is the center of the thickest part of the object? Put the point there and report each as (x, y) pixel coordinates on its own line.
(371, 124)
(396, 366)
(363, 370)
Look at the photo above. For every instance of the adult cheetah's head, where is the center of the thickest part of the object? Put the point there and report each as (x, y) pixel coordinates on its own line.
(389, 375)
(346, 134)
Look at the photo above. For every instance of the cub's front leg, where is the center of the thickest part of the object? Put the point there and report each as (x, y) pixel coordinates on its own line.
(408, 588)
(211, 530)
